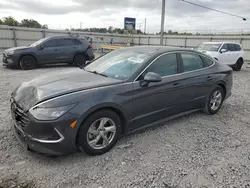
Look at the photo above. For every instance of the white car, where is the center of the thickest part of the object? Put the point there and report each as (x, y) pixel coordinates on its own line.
(228, 53)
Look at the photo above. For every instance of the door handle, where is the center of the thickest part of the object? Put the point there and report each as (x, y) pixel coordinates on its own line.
(175, 85)
(209, 78)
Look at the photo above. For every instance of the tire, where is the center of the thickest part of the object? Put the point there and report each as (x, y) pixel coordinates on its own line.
(80, 60)
(90, 134)
(27, 62)
(209, 106)
(237, 66)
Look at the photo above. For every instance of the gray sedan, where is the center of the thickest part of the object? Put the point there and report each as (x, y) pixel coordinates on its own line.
(126, 90)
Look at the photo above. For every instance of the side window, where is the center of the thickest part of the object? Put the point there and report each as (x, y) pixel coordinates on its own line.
(191, 62)
(76, 42)
(238, 48)
(225, 46)
(66, 42)
(165, 65)
(207, 62)
(51, 43)
(232, 47)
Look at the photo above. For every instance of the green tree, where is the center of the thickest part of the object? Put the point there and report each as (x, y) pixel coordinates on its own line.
(110, 29)
(30, 23)
(10, 21)
(45, 26)
(1, 22)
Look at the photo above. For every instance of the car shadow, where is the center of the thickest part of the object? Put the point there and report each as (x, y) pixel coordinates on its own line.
(123, 144)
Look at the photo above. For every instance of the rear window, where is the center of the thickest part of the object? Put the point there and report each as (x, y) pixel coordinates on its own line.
(232, 47)
(238, 48)
(207, 62)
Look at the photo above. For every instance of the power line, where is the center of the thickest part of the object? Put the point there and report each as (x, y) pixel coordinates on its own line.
(235, 15)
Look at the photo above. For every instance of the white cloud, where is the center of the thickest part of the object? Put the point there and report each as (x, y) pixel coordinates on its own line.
(104, 13)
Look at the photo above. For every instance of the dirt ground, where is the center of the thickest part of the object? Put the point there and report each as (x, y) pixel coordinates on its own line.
(192, 151)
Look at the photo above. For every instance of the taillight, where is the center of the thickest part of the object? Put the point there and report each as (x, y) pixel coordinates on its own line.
(90, 46)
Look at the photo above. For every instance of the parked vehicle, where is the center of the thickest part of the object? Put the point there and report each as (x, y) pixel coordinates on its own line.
(58, 49)
(123, 91)
(228, 53)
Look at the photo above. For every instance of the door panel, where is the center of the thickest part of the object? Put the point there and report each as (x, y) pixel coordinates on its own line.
(225, 57)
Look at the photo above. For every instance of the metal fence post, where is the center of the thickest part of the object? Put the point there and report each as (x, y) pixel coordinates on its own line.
(185, 42)
(148, 40)
(44, 35)
(139, 39)
(211, 39)
(241, 39)
(166, 41)
(14, 37)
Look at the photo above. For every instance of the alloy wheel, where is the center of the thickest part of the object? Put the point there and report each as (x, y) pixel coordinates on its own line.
(216, 100)
(101, 133)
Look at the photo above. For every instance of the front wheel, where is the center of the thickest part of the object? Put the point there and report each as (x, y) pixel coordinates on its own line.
(99, 132)
(214, 101)
(27, 62)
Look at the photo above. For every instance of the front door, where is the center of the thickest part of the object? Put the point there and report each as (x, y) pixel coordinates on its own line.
(155, 101)
(225, 57)
(49, 52)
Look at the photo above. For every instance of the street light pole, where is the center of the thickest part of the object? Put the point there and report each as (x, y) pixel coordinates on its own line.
(162, 20)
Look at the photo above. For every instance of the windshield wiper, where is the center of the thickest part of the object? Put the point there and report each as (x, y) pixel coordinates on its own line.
(98, 73)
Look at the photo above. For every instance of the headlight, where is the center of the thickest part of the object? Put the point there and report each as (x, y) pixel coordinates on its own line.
(10, 52)
(43, 113)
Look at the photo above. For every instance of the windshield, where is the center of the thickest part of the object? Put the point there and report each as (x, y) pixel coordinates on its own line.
(119, 64)
(209, 47)
(38, 42)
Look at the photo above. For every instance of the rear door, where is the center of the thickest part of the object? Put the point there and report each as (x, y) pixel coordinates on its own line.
(69, 47)
(234, 54)
(195, 81)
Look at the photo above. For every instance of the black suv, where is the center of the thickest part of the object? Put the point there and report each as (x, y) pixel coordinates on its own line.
(58, 49)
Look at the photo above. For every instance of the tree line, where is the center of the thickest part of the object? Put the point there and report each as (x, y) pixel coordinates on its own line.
(11, 21)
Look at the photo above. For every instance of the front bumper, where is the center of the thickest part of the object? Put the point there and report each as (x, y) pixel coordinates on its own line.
(10, 60)
(45, 137)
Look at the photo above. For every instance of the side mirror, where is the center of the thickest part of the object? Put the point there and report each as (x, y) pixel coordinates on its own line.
(40, 47)
(152, 77)
(223, 50)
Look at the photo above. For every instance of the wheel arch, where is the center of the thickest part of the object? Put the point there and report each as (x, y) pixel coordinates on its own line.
(223, 86)
(112, 107)
(28, 54)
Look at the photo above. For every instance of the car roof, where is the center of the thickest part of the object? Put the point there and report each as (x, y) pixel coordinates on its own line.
(221, 42)
(155, 49)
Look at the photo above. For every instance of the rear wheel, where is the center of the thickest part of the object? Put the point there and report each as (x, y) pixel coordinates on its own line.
(214, 101)
(99, 132)
(237, 66)
(27, 62)
(80, 60)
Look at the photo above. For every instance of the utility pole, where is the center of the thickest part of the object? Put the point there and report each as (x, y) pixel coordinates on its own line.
(145, 25)
(162, 20)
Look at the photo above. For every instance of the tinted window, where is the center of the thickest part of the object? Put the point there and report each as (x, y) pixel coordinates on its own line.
(66, 42)
(165, 65)
(51, 43)
(76, 42)
(225, 46)
(232, 47)
(207, 62)
(191, 62)
(238, 48)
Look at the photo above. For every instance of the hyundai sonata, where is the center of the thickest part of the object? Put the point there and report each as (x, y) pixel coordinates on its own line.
(123, 91)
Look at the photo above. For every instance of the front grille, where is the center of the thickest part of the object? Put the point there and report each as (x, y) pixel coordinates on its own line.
(19, 115)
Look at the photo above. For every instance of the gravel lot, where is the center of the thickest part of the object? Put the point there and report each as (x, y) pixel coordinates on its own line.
(192, 151)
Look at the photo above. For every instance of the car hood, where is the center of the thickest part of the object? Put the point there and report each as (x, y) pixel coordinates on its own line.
(49, 86)
(16, 48)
